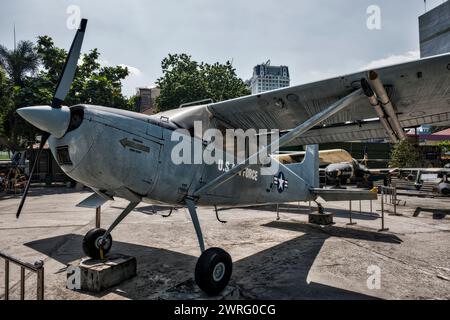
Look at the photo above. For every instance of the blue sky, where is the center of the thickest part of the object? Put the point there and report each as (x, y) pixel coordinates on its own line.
(316, 38)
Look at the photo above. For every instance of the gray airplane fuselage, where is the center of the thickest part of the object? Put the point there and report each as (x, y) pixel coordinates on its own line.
(127, 154)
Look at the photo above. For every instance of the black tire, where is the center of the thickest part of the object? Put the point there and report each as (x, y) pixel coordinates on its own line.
(91, 246)
(213, 271)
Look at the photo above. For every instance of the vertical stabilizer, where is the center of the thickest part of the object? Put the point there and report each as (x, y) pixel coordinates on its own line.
(308, 170)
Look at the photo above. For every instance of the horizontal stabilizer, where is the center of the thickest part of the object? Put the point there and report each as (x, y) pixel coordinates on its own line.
(93, 201)
(345, 194)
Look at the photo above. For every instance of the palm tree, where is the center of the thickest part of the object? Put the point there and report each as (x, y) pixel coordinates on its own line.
(19, 62)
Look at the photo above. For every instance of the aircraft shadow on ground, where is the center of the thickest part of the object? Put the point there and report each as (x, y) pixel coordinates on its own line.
(279, 272)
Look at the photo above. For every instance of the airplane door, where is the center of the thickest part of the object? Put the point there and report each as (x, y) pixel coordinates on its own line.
(153, 161)
(151, 173)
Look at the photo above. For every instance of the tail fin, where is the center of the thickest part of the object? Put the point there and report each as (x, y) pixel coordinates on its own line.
(308, 170)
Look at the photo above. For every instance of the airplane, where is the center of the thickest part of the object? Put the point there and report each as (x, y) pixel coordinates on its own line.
(326, 157)
(438, 175)
(341, 167)
(124, 154)
(355, 171)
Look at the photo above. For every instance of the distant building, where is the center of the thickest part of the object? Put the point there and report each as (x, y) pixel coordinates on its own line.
(434, 29)
(430, 139)
(147, 100)
(267, 77)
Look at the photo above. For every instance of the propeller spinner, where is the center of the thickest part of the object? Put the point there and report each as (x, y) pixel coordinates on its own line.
(54, 120)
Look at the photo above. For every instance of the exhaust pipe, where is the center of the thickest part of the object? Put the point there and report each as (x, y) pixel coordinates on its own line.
(382, 95)
(379, 110)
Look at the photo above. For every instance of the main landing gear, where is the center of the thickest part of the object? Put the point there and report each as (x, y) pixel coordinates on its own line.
(214, 267)
(212, 271)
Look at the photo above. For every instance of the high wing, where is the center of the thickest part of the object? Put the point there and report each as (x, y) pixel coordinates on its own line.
(419, 90)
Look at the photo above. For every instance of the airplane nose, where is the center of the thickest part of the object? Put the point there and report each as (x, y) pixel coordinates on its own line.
(52, 120)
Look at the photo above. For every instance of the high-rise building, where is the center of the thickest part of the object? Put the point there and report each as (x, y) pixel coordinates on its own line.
(267, 77)
(147, 100)
(434, 29)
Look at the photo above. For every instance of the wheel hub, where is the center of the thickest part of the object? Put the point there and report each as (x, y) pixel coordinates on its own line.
(219, 271)
(102, 243)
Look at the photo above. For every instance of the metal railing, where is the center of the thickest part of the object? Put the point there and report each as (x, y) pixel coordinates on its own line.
(37, 268)
(389, 197)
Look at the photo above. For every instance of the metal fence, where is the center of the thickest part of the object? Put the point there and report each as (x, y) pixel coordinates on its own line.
(389, 198)
(37, 268)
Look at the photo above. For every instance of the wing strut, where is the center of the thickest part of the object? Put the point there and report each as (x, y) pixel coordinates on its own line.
(293, 134)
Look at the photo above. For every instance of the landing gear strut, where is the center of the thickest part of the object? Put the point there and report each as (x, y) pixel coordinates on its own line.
(214, 267)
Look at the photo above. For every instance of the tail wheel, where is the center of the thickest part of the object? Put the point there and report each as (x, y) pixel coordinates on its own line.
(213, 271)
(91, 243)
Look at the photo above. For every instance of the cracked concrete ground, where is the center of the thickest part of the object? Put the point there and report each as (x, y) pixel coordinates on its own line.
(285, 259)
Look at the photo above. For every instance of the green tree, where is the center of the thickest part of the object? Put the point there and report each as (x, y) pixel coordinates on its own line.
(445, 146)
(185, 80)
(404, 155)
(20, 61)
(93, 84)
(6, 104)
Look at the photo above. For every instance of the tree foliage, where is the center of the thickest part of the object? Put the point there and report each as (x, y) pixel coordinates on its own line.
(93, 83)
(445, 146)
(404, 155)
(19, 62)
(185, 80)
(32, 73)
(6, 102)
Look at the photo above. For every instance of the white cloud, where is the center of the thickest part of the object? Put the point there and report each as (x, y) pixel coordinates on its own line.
(134, 72)
(392, 59)
(136, 78)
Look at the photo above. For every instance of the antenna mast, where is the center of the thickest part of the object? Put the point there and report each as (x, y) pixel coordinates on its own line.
(15, 46)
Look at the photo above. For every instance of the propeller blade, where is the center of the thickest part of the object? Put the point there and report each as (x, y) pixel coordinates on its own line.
(44, 139)
(70, 66)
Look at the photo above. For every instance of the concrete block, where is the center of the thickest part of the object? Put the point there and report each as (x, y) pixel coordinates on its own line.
(322, 219)
(100, 275)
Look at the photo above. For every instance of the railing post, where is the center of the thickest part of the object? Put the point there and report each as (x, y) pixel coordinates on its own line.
(40, 279)
(6, 279)
(382, 211)
(351, 218)
(395, 201)
(22, 283)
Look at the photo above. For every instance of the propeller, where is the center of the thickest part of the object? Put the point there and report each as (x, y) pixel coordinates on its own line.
(44, 139)
(54, 120)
